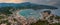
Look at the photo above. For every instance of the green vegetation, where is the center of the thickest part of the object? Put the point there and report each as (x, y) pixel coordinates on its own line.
(5, 10)
(39, 22)
(1, 17)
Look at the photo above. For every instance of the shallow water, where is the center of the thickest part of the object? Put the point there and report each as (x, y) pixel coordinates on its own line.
(35, 13)
(29, 13)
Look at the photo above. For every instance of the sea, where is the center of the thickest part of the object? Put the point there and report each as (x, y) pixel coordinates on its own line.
(37, 13)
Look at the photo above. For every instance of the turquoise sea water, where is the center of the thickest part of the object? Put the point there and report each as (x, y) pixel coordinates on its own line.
(33, 13)
(29, 13)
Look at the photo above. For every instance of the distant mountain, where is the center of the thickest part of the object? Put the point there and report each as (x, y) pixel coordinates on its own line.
(16, 5)
(27, 4)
